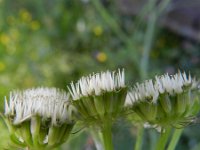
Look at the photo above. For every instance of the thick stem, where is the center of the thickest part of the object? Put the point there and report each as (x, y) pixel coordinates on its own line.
(174, 140)
(138, 144)
(107, 135)
(163, 139)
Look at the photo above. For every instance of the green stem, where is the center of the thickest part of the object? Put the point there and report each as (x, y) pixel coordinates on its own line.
(138, 144)
(176, 135)
(97, 139)
(107, 136)
(148, 41)
(163, 139)
(146, 9)
(163, 5)
(150, 32)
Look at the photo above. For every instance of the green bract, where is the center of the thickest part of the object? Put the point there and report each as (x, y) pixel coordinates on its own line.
(168, 101)
(38, 118)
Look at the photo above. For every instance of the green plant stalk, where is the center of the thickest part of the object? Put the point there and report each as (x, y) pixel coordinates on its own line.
(146, 9)
(139, 139)
(163, 139)
(153, 139)
(174, 140)
(97, 139)
(107, 135)
(148, 41)
(163, 6)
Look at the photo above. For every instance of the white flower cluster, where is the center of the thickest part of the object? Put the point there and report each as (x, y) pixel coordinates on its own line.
(171, 84)
(98, 83)
(44, 102)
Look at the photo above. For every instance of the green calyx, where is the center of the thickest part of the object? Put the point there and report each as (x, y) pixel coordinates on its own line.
(175, 110)
(37, 134)
(96, 108)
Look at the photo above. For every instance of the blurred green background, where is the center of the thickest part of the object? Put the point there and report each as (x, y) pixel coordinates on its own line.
(54, 42)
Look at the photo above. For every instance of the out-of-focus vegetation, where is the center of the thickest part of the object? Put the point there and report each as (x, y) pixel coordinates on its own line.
(52, 42)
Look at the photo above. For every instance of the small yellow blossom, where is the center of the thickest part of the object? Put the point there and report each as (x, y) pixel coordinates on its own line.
(97, 30)
(101, 57)
(25, 15)
(4, 39)
(2, 66)
(35, 25)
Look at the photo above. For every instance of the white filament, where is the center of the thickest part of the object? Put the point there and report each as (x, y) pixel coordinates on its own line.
(97, 83)
(45, 102)
(171, 84)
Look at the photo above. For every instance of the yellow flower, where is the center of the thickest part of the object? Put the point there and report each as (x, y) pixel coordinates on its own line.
(2, 66)
(25, 15)
(35, 25)
(101, 57)
(4, 39)
(97, 30)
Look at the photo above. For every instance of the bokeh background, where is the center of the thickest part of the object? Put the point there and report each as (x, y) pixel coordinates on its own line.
(53, 42)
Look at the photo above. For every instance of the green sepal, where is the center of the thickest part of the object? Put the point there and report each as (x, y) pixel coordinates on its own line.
(14, 139)
(165, 102)
(119, 100)
(53, 135)
(149, 110)
(81, 108)
(62, 134)
(181, 103)
(108, 98)
(42, 135)
(26, 133)
(35, 128)
(66, 132)
(195, 106)
(99, 105)
(89, 105)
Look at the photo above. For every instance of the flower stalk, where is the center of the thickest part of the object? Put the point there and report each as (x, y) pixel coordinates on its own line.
(174, 140)
(139, 138)
(107, 135)
(161, 144)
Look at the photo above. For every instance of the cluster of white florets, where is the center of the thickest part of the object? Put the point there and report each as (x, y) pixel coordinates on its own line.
(149, 90)
(48, 103)
(96, 84)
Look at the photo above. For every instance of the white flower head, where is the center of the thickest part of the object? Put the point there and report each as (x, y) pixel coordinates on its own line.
(142, 92)
(171, 84)
(96, 84)
(48, 103)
